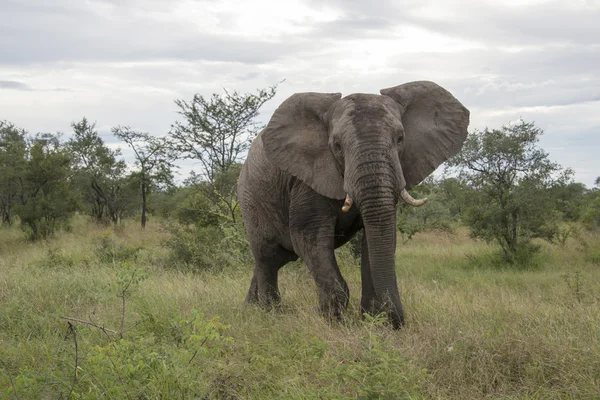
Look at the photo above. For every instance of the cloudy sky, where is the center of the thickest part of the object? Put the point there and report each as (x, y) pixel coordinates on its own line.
(124, 62)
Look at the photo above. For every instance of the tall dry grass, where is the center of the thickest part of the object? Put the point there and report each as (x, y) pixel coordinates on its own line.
(473, 330)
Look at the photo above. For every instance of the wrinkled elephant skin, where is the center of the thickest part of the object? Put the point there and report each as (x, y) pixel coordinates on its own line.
(326, 166)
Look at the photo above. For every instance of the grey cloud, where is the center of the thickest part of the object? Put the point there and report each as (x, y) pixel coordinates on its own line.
(491, 78)
(15, 85)
(541, 23)
(54, 34)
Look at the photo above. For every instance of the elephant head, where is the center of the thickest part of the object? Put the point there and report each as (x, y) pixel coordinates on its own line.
(369, 149)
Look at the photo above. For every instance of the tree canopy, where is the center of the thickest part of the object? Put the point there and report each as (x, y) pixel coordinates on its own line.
(510, 179)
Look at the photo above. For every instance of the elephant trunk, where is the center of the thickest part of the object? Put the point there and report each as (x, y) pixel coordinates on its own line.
(375, 187)
(379, 219)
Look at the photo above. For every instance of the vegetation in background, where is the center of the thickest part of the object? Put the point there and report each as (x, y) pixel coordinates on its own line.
(153, 157)
(13, 151)
(217, 132)
(100, 175)
(590, 213)
(45, 202)
(95, 313)
(510, 181)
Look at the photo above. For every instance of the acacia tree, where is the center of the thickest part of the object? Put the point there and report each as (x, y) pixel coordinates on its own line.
(13, 151)
(216, 132)
(511, 176)
(45, 196)
(99, 171)
(153, 158)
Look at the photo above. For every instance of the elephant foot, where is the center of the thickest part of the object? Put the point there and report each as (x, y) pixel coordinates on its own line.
(333, 303)
(266, 301)
(373, 307)
(262, 294)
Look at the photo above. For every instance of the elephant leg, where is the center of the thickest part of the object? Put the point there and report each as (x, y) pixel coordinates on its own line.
(312, 220)
(332, 288)
(264, 289)
(368, 297)
(316, 249)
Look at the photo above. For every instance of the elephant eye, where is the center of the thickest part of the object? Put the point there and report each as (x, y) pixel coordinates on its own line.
(337, 147)
(400, 138)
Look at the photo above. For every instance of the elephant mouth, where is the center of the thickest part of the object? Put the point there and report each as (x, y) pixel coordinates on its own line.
(404, 195)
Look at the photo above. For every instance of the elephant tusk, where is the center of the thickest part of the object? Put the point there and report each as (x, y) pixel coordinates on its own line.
(347, 203)
(408, 199)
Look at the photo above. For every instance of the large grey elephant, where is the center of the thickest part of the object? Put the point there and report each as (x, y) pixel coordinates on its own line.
(325, 167)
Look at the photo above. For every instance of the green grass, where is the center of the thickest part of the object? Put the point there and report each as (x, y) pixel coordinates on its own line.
(473, 330)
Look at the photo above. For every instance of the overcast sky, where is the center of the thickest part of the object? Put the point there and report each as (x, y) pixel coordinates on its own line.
(124, 62)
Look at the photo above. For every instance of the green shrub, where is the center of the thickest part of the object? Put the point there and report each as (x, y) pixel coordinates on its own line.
(588, 246)
(594, 256)
(56, 258)
(140, 366)
(196, 209)
(108, 250)
(590, 210)
(379, 370)
(526, 257)
(208, 247)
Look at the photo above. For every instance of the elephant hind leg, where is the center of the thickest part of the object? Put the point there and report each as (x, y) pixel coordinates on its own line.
(264, 289)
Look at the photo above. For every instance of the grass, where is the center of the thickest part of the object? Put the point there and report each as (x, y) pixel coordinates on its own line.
(473, 331)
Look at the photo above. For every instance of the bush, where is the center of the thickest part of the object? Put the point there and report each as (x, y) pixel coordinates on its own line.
(513, 184)
(196, 209)
(379, 370)
(208, 247)
(139, 366)
(526, 257)
(590, 216)
(109, 251)
(56, 258)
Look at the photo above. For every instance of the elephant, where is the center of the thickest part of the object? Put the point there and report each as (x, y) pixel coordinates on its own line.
(325, 167)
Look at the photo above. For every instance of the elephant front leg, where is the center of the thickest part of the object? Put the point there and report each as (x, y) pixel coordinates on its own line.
(332, 288)
(312, 229)
(315, 247)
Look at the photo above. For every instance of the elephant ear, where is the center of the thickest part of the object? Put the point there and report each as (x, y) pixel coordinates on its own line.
(296, 139)
(435, 125)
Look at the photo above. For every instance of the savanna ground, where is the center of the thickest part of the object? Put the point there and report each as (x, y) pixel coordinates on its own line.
(474, 329)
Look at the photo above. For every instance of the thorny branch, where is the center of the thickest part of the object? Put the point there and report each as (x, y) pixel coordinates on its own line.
(102, 328)
(74, 333)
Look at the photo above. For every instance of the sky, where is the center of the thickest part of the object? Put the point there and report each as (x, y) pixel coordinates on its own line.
(125, 62)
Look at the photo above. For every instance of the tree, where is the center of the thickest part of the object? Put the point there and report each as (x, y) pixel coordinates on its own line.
(99, 172)
(153, 158)
(13, 151)
(45, 198)
(435, 215)
(216, 132)
(511, 176)
(590, 213)
(570, 197)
